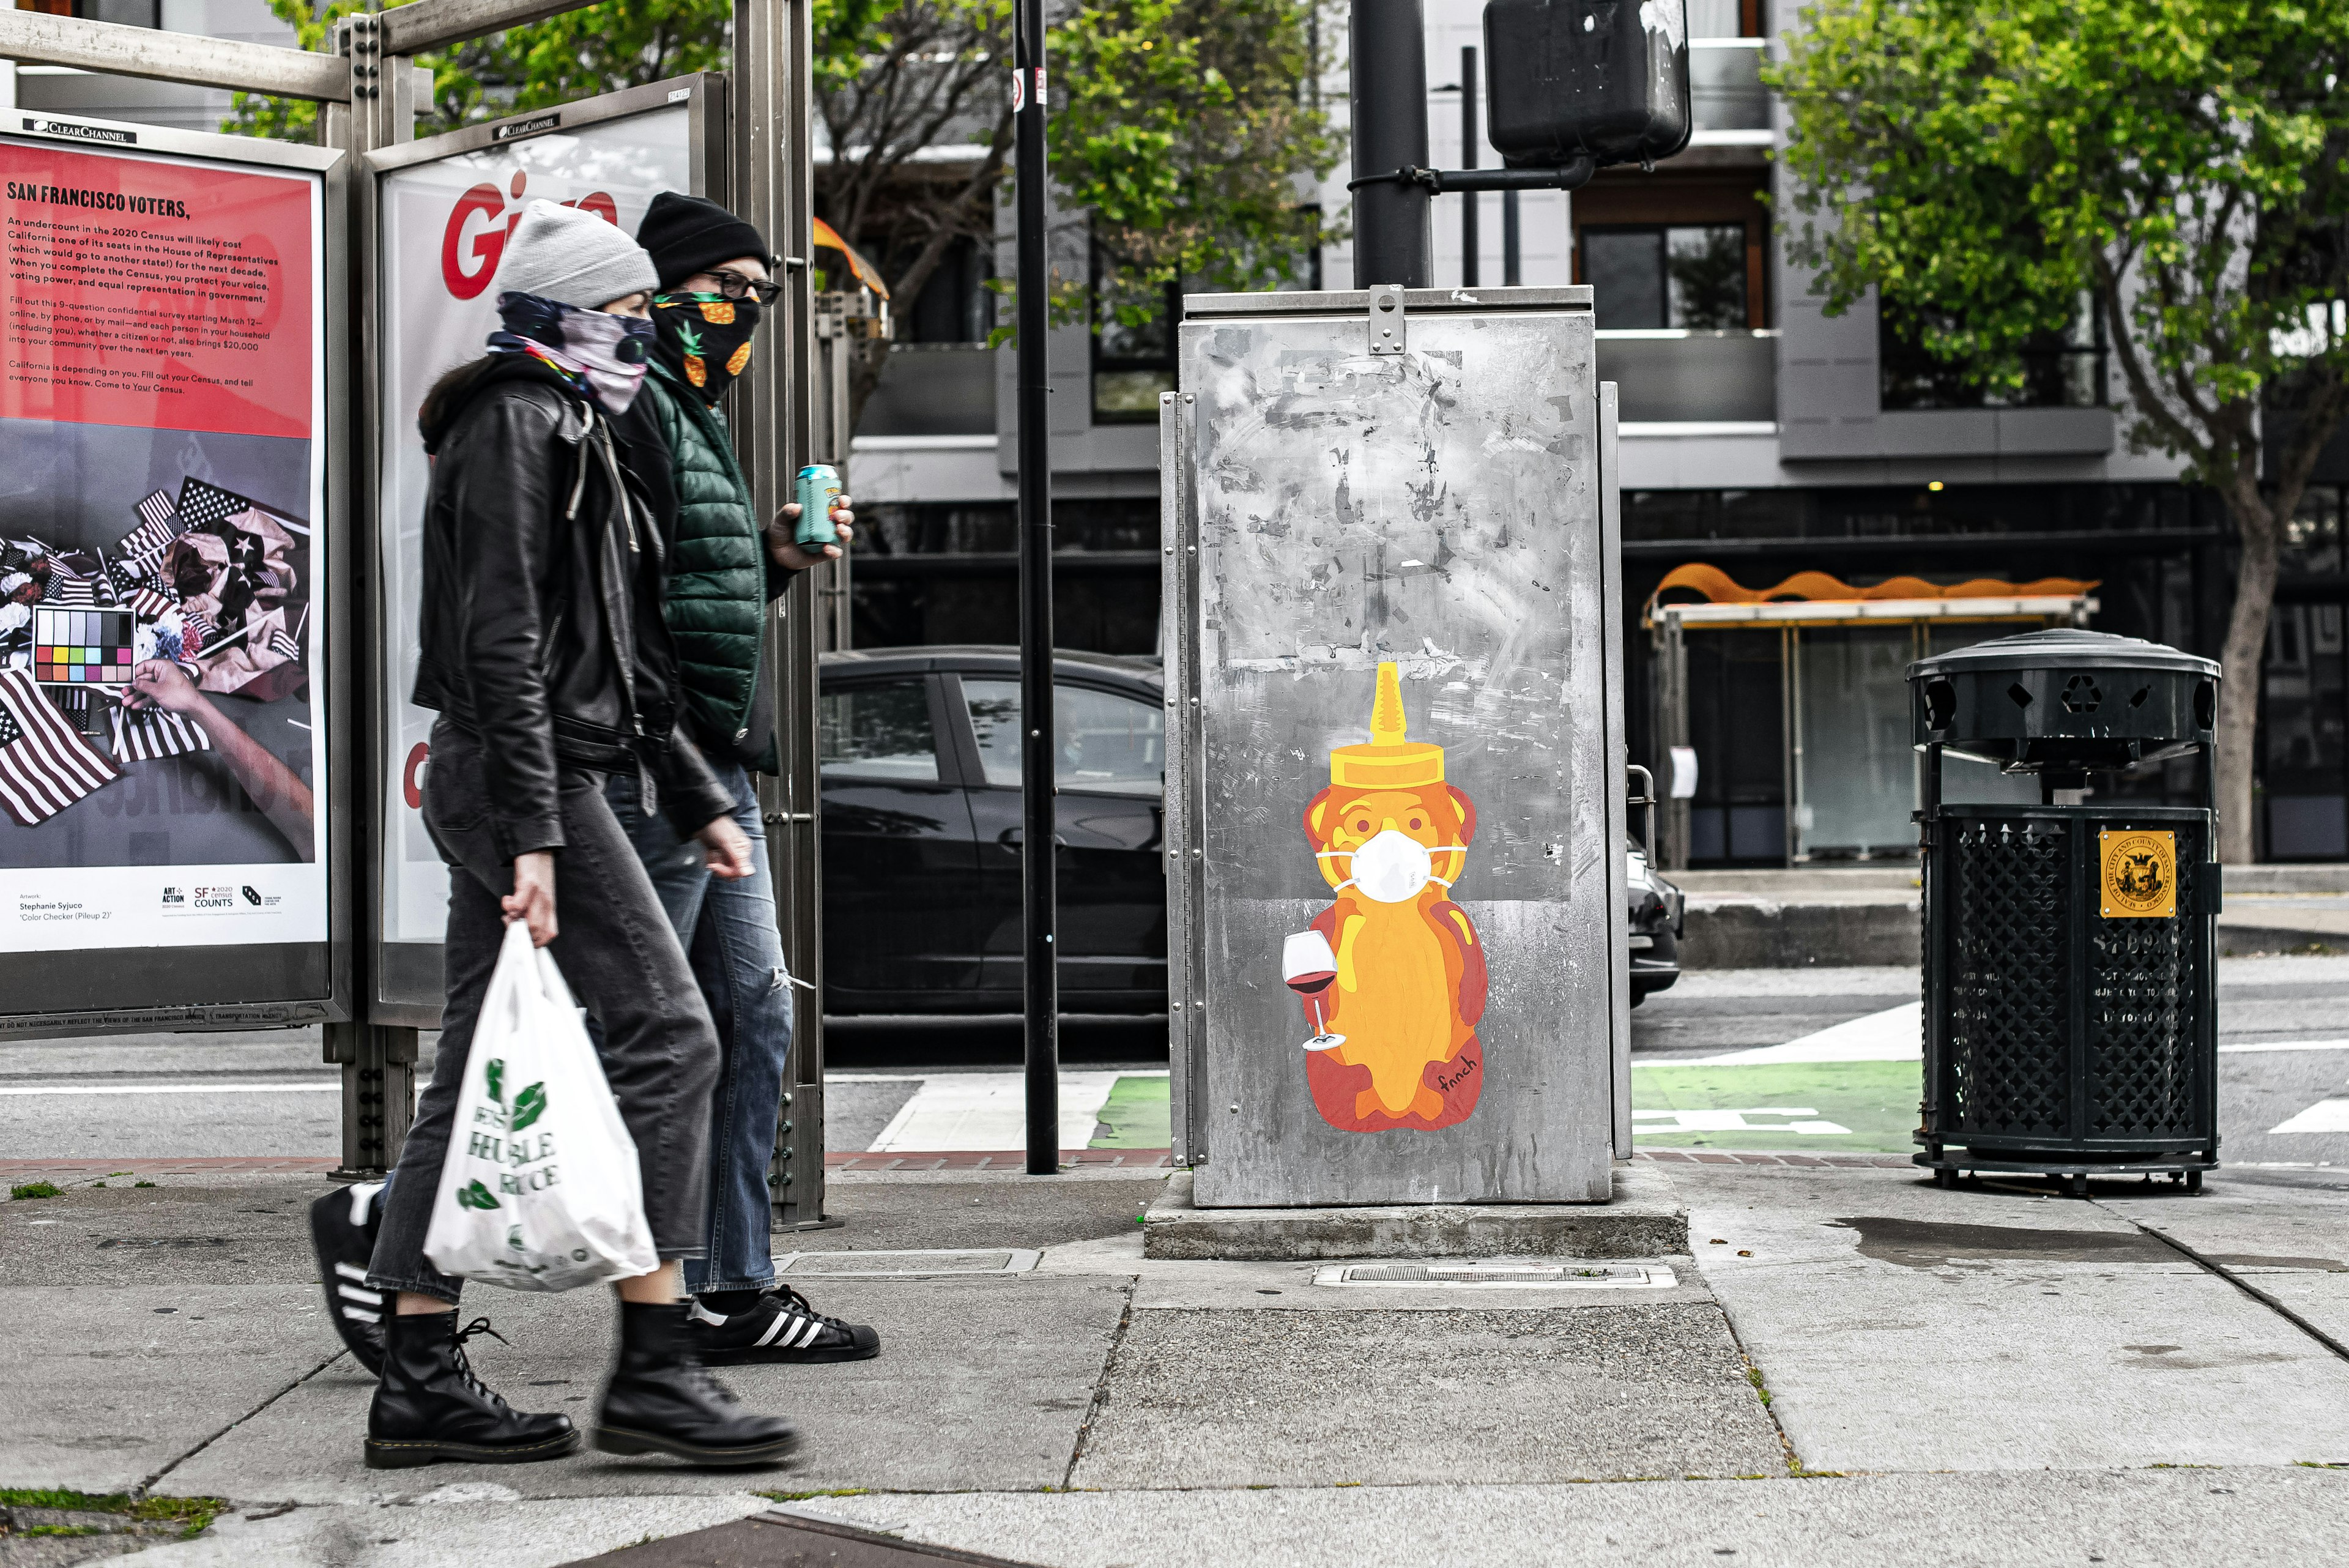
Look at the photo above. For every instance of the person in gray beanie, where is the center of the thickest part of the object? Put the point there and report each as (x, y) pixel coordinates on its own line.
(546, 655)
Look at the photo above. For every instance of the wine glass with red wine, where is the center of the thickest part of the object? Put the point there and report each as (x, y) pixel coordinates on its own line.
(1308, 966)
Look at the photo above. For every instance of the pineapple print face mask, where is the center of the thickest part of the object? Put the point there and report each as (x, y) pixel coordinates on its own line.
(705, 338)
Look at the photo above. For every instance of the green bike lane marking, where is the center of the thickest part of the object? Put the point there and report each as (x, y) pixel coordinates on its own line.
(1820, 1107)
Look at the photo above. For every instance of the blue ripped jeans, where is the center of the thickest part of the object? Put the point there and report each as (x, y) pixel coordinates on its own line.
(728, 929)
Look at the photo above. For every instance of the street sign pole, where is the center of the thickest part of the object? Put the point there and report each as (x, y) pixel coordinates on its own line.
(1040, 982)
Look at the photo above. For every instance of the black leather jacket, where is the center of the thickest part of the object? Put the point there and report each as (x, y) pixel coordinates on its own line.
(541, 628)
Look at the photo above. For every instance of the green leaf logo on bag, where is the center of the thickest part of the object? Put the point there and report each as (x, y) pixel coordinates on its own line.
(527, 1107)
(496, 1072)
(473, 1195)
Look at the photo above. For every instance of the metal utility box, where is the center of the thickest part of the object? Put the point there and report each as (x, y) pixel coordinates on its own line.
(1607, 80)
(1395, 804)
(2071, 1010)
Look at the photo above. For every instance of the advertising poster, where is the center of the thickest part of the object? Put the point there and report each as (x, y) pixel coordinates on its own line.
(444, 226)
(162, 465)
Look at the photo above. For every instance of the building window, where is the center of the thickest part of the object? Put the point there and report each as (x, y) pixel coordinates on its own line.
(122, 13)
(955, 305)
(1133, 362)
(1689, 275)
(2063, 370)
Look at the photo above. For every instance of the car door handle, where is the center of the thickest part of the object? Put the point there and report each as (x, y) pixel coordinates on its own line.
(1016, 839)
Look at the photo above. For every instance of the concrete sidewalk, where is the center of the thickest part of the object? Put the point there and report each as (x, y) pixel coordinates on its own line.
(1997, 1375)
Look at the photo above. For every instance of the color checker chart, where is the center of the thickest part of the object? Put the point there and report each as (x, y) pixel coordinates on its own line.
(82, 647)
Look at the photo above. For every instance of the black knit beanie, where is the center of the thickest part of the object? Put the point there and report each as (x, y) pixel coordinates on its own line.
(688, 234)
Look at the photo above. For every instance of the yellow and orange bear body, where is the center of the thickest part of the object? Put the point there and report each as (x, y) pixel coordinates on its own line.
(1410, 987)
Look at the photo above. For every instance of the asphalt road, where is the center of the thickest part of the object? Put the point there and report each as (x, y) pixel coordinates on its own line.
(269, 1093)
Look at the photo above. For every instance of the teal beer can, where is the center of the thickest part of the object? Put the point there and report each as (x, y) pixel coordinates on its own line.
(819, 492)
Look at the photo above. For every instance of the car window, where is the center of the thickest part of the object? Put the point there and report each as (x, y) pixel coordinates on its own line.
(879, 732)
(1106, 742)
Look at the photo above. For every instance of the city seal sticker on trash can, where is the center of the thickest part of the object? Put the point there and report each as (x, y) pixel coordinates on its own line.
(1393, 973)
(2140, 874)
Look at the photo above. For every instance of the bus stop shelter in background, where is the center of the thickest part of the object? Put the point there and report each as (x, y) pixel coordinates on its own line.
(406, 235)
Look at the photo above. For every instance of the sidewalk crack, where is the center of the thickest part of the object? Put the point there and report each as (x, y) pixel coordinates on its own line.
(143, 1488)
(1101, 1388)
(2213, 1266)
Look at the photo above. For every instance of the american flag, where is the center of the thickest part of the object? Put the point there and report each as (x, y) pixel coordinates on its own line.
(45, 766)
(159, 525)
(150, 602)
(197, 631)
(143, 737)
(282, 643)
(67, 590)
(203, 505)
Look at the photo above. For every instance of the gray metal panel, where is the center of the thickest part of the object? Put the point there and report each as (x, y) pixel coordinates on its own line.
(1178, 651)
(2035, 431)
(1619, 921)
(30, 37)
(1308, 302)
(1438, 508)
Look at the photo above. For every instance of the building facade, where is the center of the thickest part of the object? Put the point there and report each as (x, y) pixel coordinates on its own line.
(1761, 437)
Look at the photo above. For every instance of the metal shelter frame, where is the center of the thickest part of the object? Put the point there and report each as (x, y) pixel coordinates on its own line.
(370, 92)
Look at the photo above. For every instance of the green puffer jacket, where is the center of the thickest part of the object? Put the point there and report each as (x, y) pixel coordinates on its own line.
(718, 580)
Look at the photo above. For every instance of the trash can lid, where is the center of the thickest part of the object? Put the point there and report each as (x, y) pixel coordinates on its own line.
(2069, 648)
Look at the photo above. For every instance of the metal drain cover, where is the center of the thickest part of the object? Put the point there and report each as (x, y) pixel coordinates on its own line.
(1513, 1275)
(922, 1263)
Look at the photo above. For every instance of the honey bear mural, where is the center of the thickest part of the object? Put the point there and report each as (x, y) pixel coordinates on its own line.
(1392, 972)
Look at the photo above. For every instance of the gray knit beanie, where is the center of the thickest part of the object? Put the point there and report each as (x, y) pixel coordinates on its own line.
(572, 256)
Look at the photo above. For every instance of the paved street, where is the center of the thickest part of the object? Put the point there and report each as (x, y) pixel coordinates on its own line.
(1837, 1074)
(1848, 1366)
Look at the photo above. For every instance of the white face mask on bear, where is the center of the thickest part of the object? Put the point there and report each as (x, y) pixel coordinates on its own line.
(1391, 866)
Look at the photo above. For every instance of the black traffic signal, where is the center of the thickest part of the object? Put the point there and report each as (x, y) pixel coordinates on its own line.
(1602, 79)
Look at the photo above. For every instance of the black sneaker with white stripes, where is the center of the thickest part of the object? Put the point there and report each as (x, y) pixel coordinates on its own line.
(342, 1226)
(782, 1327)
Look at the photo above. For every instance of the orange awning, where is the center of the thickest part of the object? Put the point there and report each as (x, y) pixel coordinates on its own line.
(827, 238)
(1717, 586)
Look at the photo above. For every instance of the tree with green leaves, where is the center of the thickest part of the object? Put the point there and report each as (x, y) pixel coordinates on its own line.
(1994, 168)
(1186, 136)
(577, 55)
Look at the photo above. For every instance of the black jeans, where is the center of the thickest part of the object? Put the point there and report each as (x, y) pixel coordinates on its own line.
(621, 960)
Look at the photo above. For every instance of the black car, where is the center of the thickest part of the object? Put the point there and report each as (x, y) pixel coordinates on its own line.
(922, 831)
(1657, 910)
(922, 837)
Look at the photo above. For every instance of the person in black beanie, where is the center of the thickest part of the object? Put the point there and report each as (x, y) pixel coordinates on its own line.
(724, 572)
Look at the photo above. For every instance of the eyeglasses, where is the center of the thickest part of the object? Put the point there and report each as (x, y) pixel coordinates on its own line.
(734, 286)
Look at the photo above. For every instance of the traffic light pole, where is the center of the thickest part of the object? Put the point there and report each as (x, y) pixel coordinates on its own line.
(1389, 93)
(1041, 999)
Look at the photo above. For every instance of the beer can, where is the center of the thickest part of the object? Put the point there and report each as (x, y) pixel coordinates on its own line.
(819, 490)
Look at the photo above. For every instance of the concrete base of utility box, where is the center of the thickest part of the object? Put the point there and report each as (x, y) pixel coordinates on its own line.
(1643, 1220)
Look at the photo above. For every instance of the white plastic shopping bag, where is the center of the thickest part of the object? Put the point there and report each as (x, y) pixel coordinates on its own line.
(539, 1190)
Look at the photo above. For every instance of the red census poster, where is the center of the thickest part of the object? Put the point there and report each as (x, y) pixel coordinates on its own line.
(162, 470)
(157, 294)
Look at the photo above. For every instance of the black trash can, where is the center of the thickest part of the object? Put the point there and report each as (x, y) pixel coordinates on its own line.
(2071, 1008)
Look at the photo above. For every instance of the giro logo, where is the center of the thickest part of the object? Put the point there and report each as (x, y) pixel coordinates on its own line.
(478, 226)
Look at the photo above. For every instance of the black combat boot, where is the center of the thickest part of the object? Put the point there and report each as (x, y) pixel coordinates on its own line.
(430, 1406)
(662, 1400)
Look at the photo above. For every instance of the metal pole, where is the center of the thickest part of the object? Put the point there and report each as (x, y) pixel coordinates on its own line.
(1512, 273)
(771, 115)
(1039, 985)
(1469, 138)
(377, 1060)
(1389, 92)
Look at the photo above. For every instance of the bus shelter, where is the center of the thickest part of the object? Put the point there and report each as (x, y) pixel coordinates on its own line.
(1836, 771)
(218, 423)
